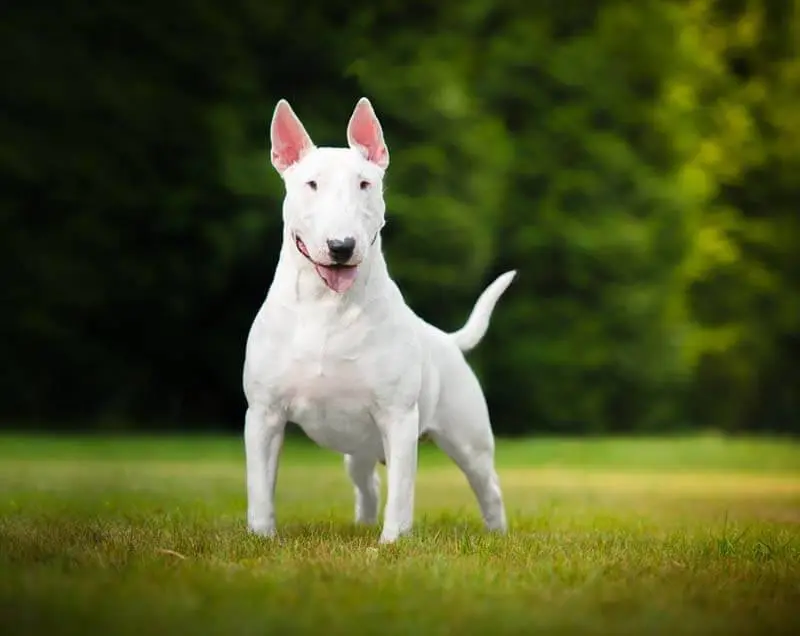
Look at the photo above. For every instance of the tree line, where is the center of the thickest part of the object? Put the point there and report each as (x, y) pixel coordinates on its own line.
(636, 162)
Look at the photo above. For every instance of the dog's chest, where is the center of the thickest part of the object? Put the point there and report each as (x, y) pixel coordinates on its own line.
(327, 386)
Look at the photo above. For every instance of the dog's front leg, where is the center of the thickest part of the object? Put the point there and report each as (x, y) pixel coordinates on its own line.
(400, 429)
(263, 438)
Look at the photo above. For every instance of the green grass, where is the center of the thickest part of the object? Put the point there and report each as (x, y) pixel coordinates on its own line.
(146, 535)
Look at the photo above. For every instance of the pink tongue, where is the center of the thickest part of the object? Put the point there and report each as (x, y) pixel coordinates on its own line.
(339, 279)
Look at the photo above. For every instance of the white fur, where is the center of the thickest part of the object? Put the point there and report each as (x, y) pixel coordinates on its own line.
(358, 371)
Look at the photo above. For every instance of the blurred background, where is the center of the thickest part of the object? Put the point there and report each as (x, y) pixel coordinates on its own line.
(637, 163)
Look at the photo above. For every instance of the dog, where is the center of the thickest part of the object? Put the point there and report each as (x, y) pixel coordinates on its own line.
(335, 349)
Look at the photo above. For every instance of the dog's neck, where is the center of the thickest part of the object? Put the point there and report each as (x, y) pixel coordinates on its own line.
(297, 275)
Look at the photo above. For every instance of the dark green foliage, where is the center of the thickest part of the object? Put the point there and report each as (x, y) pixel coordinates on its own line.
(635, 161)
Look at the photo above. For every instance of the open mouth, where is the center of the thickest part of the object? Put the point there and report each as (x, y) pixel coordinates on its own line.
(337, 277)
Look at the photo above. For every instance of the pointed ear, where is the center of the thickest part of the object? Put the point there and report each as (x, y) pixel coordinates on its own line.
(290, 141)
(364, 133)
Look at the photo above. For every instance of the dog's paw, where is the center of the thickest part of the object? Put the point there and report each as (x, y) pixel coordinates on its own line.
(497, 526)
(264, 530)
(390, 536)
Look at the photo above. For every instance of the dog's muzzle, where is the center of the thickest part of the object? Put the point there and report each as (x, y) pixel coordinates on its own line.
(336, 276)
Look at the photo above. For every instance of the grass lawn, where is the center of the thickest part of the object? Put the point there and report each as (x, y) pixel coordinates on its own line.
(146, 536)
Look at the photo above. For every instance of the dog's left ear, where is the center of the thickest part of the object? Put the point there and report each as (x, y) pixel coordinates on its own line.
(364, 133)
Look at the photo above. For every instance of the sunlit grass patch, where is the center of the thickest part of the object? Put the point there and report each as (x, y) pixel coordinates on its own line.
(128, 536)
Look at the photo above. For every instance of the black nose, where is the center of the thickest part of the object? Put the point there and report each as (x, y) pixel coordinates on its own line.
(341, 251)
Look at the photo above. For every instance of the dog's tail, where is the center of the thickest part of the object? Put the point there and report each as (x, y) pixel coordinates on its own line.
(478, 322)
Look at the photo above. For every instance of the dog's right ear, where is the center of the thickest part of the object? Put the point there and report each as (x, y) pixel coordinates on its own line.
(290, 141)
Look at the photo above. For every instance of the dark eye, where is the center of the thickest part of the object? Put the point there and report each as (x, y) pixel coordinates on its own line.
(364, 185)
(312, 184)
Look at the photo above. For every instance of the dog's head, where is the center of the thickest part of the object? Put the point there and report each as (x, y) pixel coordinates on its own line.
(334, 208)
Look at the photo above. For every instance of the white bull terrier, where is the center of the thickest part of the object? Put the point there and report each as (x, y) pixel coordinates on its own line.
(336, 350)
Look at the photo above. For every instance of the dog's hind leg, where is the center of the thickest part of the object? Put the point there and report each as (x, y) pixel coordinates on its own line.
(471, 447)
(363, 474)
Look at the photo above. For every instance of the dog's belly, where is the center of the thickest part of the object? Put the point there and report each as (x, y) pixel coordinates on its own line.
(341, 428)
(334, 411)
